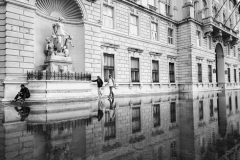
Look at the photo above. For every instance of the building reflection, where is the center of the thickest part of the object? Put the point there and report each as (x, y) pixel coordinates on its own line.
(184, 126)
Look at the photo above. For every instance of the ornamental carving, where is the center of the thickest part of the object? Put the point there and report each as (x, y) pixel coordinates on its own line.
(227, 40)
(217, 36)
(68, 9)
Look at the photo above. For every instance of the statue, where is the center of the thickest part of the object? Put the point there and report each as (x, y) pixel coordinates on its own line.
(49, 50)
(57, 49)
(59, 42)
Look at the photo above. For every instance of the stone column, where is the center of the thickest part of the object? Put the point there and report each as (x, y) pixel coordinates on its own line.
(188, 10)
(17, 44)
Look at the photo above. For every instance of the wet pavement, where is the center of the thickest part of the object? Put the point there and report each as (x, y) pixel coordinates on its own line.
(186, 126)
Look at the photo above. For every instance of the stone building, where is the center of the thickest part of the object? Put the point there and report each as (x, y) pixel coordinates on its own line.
(148, 46)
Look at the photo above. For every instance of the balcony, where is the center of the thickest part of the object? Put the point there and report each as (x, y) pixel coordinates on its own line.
(219, 32)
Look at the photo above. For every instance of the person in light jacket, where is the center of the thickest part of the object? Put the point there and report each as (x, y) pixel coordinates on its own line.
(111, 84)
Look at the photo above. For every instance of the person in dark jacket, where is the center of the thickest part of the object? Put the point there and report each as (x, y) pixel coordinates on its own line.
(100, 84)
(24, 93)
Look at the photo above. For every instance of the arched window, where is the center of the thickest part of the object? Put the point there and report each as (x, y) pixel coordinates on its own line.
(230, 22)
(224, 18)
(205, 8)
(195, 10)
(215, 13)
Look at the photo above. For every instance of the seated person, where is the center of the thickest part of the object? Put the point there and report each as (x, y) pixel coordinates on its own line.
(24, 93)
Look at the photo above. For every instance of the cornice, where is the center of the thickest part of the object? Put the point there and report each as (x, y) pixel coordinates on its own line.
(21, 4)
(142, 8)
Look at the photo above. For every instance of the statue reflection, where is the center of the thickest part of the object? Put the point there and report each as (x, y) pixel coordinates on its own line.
(23, 112)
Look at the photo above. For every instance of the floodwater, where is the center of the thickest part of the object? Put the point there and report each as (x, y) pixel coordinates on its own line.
(185, 126)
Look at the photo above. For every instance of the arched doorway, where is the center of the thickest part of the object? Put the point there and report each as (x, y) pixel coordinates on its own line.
(220, 70)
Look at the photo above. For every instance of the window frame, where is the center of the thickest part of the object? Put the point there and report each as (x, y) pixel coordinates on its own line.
(169, 37)
(136, 119)
(229, 75)
(173, 116)
(235, 74)
(156, 115)
(200, 78)
(135, 69)
(157, 72)
(114, 69)
(210, 73)
(174, 73)
(138, 23)
(114, 13)
(199, 39)
(156, 32)
(200, 110)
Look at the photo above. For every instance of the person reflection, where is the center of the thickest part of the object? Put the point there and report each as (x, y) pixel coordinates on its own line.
(23, 112)
(111, 111)
(100, 110)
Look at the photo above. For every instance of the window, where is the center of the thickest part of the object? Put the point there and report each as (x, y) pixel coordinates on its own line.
(235, 75)
(228, 49)
(211, 107)
(230, 22)
(196, 10)
(200, 107)
(236, 102)
(230, 103)
(136, 120)
(135, 69)
(234, 51)
(171, 73)
(154, 33)
(224, 18)
(108, 66)
(215, 13)
(173, 112)
(209, 42)
(173, 150)
(229, 75)
(156, 115)
(133, 25)
(168, 7)
(107, 16)
(155, 71)
(110, 127)
(170, 36)
(210, 73)
(199, 72)
(198, 33)
(205, 8)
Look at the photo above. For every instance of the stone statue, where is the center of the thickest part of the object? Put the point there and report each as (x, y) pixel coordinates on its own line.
(66, 46)
(49, 50)
(59, 41)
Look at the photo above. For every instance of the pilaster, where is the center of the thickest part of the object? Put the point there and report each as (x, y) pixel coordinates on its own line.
(17, 46)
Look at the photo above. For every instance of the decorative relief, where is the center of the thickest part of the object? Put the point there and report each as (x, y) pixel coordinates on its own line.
(134, 50)
(133, 11)
(155, 55)
(235, 65)
(217, 36)
(210, 61)
(171, 58)
(199, 59)
(227, 40)
(109, 45)
(228, 64)
(68, 9)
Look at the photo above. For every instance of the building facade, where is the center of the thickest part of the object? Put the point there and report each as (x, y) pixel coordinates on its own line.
(147, 45)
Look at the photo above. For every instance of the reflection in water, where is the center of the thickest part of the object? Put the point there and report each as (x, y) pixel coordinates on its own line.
(189, 126)
(23, 112)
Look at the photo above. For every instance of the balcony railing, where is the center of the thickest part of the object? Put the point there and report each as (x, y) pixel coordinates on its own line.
(66, 76)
